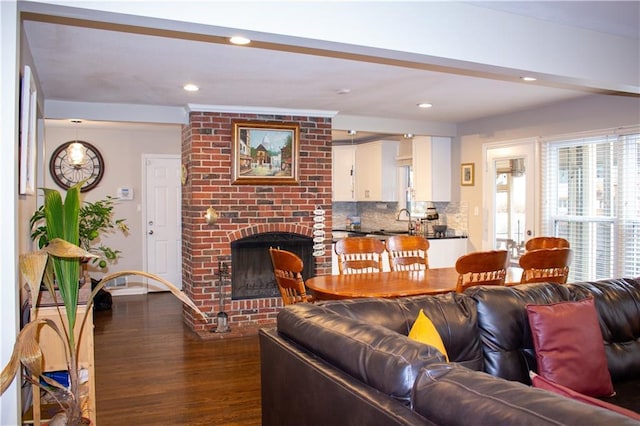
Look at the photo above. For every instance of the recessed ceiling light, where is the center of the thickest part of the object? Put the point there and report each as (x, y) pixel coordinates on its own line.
(190, 87)
(528, 78)
(343, 91)
(239, 40)
(424, 105)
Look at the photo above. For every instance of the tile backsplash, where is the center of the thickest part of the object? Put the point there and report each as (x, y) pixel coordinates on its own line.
(382, 215)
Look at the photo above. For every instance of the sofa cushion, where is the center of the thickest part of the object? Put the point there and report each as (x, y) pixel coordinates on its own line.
(569, 347)
(424, 331)
(543, 383)
(626, 396)
(504, 326)
(451, 395)
(454, 316)
(373, 354)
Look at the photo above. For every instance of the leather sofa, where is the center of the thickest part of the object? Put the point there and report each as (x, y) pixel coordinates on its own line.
(351, 363)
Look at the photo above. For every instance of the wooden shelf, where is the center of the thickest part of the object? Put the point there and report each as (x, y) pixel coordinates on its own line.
(54, 360)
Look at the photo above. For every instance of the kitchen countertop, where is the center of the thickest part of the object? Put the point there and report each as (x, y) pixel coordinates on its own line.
(380, 233)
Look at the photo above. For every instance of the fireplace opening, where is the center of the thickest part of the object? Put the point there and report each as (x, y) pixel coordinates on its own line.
(252, 272)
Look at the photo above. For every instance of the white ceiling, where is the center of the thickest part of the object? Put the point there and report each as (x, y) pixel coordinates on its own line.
(80, 63)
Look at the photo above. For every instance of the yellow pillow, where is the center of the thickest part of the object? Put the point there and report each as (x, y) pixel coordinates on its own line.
(424, 331)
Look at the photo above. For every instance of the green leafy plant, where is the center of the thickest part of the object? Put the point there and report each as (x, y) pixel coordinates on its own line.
(60, 257)
(96, 219)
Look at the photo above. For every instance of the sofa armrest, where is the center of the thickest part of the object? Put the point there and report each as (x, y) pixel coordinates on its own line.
(298, 388)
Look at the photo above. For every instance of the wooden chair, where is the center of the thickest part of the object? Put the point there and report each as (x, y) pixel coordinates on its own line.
(546, 265)
(287, 268)
(357, 255)
(481, 268)
(408, 252)
(545, 242)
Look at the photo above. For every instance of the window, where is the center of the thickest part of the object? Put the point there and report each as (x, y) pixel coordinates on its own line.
(591, 196)
(406, 199)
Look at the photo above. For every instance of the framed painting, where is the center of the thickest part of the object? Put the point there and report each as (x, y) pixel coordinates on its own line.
(467, 173)
(265, 153)
(28, 111)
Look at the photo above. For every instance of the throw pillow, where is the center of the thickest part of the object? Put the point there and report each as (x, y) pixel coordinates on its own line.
(424, 331)
(569, 346)
(540, 382)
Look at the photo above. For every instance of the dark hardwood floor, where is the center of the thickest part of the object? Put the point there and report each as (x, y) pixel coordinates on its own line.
(152, 370)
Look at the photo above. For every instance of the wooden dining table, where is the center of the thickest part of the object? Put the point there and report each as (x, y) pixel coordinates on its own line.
(390, 284)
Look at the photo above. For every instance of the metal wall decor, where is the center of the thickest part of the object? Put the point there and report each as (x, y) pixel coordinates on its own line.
(76, 161)
(318, 232)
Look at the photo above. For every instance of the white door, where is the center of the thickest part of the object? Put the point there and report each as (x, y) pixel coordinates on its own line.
(163, 220)
(511, 207)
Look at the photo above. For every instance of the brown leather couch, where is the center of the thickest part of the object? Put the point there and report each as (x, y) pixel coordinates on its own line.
(350, 362)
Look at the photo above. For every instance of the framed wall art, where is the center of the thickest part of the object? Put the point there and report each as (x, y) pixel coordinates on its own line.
(265, 153)
(467, 174)
(28, 111)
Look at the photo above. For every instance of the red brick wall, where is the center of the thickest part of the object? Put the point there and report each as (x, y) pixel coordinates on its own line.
(244, 210)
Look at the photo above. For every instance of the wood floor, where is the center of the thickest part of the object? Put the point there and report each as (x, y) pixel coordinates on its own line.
(151, 370)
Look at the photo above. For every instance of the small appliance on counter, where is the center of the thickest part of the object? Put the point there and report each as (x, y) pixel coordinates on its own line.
(439, 231)
(430, 224)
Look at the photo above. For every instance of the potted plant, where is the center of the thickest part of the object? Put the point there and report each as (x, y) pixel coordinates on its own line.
(60, 257)
(96, 219)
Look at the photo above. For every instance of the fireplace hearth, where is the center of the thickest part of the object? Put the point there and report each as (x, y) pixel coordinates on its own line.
(252, 271)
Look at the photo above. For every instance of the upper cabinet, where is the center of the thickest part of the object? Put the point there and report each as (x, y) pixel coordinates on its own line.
(431, 164)
(343, 170)
(376, 174)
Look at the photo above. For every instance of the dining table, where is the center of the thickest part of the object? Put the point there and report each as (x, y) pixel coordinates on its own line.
(391, 284)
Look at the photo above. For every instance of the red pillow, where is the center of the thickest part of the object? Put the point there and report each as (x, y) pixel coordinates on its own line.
(542, 383)
(569, 346)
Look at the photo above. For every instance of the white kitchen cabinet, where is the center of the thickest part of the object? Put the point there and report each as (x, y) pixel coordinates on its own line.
(444, 252)
(431, 163)
(343, 167)
(376, 176)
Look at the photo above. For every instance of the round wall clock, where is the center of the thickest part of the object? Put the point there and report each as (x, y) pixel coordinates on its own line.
(75, 161)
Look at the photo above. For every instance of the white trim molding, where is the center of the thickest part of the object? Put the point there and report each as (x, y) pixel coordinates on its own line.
(261, 110)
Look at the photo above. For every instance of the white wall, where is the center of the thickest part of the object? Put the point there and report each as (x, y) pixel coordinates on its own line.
(122, 146)
(584, 114)
(8, 199)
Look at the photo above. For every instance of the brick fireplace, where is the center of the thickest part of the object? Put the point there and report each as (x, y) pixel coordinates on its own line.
(244, 211)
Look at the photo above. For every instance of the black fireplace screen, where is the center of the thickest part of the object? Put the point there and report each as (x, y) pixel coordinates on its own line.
(252, 272)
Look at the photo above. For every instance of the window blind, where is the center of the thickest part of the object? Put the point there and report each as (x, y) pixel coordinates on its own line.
(591, 191)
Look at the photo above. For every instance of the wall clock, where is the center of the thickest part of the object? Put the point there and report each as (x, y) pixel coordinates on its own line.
(75, 161)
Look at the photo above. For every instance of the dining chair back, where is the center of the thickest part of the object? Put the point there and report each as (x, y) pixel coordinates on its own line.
(536, 243)
(481, 268)
(546, 265)
(407, 252)
(287, 268)
(357, 255)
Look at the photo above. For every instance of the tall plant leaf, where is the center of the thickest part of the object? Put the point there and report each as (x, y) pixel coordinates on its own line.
(62, 222)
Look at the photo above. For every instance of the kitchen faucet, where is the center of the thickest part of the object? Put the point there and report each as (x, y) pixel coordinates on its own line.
(411, 226)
